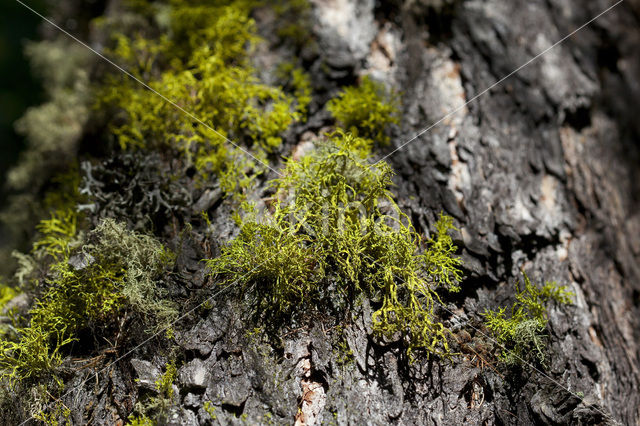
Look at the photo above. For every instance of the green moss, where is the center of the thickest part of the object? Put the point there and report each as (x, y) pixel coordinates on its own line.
(522, 333)
(366, 110)
(165, 383)
(140, 420)
(58, 234)
(438, 257)
(336, 233)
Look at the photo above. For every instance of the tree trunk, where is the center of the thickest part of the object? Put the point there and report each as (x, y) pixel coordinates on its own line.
(540, 174)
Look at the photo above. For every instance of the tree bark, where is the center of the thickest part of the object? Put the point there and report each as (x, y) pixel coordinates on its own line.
(540, 174)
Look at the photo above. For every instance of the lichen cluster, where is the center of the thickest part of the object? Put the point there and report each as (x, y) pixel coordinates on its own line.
(521, 333)
(89, 280)
(204, 68)
(337, 234)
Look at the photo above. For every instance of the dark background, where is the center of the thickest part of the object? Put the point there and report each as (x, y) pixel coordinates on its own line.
(18, 88)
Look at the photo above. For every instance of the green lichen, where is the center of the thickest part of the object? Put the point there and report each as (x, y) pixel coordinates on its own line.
(211, 410)
(335, 234)
(143, 261)
(366, 110)
(298, 82)
(203, 66)
(154, 409)
(522, 333)
(114, 269)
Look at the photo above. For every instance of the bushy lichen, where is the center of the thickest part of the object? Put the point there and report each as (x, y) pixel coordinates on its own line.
(153, 410)
(139, 189)
(366, 110)
(54, 128)
(335, 234)
(85, 286)
(521, 334)
(203, 66)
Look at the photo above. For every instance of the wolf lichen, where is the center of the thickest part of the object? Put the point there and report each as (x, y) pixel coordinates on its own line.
(522, 333)
(366, 110)
(85, 287)
(336, 234)
(6, 294)
(154, 409)
(204, 67)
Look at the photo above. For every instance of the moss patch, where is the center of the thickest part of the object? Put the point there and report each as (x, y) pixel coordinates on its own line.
(203, 66)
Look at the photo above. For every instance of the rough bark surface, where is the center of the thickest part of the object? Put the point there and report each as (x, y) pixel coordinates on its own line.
(541, 174)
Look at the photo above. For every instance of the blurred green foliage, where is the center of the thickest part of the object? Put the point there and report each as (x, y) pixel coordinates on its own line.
(366, 110)
(18, 88)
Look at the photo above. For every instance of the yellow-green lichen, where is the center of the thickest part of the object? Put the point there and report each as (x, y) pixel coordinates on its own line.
(521, 334)
(366, 110)
(336, 233)
(114, 269)
(204, 68)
